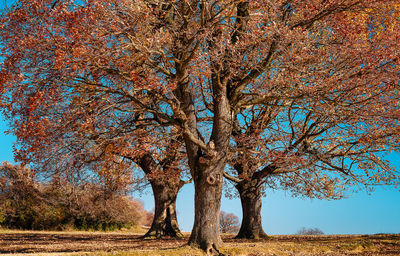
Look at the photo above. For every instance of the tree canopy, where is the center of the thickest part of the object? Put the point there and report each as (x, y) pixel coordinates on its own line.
(304, 88)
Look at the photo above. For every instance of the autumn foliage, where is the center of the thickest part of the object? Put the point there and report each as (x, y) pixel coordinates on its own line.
(26, 203)
(228, 223)
(302, 94)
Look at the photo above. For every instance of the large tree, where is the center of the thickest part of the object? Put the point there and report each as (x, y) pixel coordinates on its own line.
(94, 141)
(332, 145)
(164, 168)
(202, 68)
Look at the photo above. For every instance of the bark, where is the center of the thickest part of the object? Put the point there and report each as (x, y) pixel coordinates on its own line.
(208, 190)
(250, 197)
(207, 173)
(206, 165)
(207, 176)
(165, 223)
(206, 161)
(165, 191)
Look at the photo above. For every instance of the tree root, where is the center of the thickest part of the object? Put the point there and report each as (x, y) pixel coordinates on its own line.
(212, 250)
(256, 236)
(156, 234)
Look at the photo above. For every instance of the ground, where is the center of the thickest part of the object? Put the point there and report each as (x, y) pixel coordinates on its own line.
(126, 243)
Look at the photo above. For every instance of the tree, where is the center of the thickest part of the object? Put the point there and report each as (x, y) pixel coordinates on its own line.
(102, 147)
(309, 231)
(324, 147)
(228, 223)
(204, 69)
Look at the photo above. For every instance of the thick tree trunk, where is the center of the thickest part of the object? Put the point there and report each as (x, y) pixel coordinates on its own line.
(250, 197)
(208, 190)
(206, 161)
(165, 222)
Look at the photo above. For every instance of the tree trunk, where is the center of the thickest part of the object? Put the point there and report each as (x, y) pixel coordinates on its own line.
(208, 190)
(206, 161)
(165, 222)
(250, 197)
(165, 191)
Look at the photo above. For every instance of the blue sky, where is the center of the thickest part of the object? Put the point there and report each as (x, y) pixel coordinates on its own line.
(282, 214)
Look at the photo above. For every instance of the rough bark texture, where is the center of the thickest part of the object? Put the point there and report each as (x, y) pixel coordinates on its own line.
(165, 220)
(250, 197)
(165, 191)
(207, 176)
(207, 160)
(206, 163)
(208, 189)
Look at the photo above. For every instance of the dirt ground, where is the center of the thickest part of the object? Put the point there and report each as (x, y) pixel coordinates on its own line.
(57, 242)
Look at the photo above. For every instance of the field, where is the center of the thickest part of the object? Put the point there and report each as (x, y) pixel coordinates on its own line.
(126, 243)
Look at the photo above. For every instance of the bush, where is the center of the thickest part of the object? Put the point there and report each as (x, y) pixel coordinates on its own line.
(309, 231)
(148, 218)
(26, 203)
(20, 198)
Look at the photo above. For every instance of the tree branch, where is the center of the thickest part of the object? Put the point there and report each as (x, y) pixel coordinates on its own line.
(231, 178)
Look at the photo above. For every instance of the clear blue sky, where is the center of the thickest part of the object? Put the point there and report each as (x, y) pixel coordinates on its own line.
(282, 214)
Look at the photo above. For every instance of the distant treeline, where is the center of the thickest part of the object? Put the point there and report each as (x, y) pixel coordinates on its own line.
(26, 203)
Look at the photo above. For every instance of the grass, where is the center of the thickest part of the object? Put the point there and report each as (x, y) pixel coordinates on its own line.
(277, 249)
(341, 246)
(127, 243)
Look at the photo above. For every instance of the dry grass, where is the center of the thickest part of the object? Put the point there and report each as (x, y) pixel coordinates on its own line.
(318, 245)
(128, 243)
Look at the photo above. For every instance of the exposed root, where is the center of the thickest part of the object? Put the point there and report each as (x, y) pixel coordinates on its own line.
(212, 250)
(161, 234)
(253, 236)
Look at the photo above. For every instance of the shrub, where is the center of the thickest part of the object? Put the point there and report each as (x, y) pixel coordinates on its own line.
(26, 203)
(309, 231)
(148, 218)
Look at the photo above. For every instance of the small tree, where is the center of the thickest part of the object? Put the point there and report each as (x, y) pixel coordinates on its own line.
(228, 223)
(309, 231)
